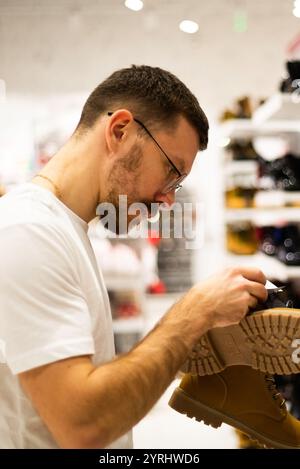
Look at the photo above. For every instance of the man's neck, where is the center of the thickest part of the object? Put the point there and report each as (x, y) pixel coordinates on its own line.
(71, 176)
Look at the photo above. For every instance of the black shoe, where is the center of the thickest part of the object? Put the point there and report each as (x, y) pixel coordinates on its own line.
(242, 150)
(270, 238)
(289, 251)
(282, 173)
(290, 84)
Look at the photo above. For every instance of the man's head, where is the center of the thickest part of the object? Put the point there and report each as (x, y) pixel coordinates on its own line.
(151, 129)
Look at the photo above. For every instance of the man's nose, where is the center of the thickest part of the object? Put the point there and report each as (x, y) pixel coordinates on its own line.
(167, 199)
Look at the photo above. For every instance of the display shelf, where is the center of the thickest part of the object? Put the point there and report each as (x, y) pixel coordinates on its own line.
(248, 128)
(278, 116)
(263, 216)
(273, 199)
(155, 306)
(124, 282)
(240, 166)
(128, 325)
(271, 267)
(281, 107)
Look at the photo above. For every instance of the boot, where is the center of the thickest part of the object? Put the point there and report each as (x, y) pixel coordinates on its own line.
(243, 398)
(244, 442)
(264, 340)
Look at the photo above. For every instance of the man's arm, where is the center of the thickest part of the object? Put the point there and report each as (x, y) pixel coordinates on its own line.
(88, 407)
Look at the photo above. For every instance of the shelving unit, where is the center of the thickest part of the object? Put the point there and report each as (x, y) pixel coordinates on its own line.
(247, 128)
(281, 107)
(269, 265)
(278, 116)
(126, 284)
(129, 325)
(263, 216)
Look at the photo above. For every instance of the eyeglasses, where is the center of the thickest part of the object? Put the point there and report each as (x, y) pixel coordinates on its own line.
(172, 185)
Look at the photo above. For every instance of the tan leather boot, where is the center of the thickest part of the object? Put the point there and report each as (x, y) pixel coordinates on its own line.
(244, 442)
(243, 398)
(263, 340)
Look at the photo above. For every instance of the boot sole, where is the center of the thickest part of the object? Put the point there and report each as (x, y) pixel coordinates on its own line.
(193, 409)
(263, 340)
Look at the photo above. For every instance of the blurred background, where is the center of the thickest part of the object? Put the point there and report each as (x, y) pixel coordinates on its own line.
(241, 58)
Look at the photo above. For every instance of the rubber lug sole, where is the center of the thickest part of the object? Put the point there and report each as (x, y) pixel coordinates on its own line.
(264, 341)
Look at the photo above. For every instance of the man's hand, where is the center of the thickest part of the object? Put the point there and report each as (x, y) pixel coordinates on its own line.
(230, 294)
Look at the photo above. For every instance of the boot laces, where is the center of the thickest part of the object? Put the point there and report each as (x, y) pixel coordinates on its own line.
(272, 387)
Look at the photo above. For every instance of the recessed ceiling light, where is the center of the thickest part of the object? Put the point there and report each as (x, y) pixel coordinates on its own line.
(135, 5)
(188, 26)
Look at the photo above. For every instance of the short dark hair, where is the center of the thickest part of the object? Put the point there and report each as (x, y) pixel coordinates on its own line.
(152, 94)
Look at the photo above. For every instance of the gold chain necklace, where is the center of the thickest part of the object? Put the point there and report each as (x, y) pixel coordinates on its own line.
(57, 190)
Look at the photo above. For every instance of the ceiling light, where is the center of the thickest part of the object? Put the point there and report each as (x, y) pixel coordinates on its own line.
(135, 5)
(188, 26)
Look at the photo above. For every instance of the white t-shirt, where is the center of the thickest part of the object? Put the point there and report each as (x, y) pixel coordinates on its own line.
(53, 304)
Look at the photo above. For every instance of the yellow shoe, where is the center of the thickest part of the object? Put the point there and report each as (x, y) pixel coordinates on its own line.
(244, 442)
(243, 398)
(264, 340)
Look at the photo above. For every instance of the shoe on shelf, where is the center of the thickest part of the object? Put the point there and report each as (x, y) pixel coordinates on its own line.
(290, 84)
(269, 238)
(264, 340)
(289, 250)
(240, 197)
(241, 238)
(242, 109)
(242, 150)
(241, 397)
(282, 173)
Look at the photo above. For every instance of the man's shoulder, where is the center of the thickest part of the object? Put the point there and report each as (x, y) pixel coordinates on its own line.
(24, 205)
(34, 216)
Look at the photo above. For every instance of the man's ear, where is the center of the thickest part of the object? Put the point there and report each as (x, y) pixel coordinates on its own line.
(116, 128)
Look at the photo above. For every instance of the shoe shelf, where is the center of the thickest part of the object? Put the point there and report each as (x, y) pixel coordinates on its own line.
(271, 267)
(128, 325)
(284, 107)
(235, 166)
(124, 282)
(278, 116)
(263, 216)
(120, 285)
(247, 128)
(120, 261)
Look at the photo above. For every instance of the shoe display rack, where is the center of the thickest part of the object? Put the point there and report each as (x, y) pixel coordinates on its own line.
(122, 268)
(262, 191)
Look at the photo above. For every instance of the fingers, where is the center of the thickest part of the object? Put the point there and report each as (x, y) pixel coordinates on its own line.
(252, 302)
(258, 291)
(252, 273)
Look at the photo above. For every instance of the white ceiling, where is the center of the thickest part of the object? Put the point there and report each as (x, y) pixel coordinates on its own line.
(53, 46)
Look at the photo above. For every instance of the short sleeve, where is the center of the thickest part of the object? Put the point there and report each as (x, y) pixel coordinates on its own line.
(44, 316)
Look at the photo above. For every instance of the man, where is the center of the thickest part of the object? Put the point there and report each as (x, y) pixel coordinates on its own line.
(60, 384)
